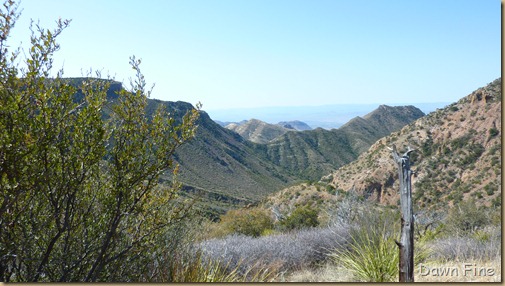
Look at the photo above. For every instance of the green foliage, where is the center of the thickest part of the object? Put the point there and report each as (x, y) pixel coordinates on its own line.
(252, 222)
(493, 132)
(80, 199)
(301, 217)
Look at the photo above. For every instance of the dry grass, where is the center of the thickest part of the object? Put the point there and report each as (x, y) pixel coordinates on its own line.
(326, 273)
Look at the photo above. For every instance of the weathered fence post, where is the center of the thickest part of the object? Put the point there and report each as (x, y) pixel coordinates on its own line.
(406, 244)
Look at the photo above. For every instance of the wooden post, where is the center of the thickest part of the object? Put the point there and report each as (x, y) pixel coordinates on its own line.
(406, 244)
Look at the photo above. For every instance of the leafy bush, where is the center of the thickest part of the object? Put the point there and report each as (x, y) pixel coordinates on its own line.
(251, 222)
(79, 174)
(301, 217)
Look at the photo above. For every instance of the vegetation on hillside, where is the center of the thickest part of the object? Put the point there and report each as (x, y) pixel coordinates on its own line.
(457, 157)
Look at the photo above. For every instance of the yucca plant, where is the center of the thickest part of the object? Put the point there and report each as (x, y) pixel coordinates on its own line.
(370, 253)
(371, 256)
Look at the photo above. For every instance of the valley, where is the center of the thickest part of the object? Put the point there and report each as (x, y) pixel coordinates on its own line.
(222, 161)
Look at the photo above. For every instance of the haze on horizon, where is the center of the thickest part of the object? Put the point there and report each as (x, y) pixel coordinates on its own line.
(236, 54)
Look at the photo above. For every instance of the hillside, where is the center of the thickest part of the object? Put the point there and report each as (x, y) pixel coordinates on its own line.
(458, 156)
(221, 161)
(311, 154)
(380, 122)
(258, 131)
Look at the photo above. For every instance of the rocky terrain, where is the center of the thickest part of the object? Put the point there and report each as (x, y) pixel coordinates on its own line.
(457, 157)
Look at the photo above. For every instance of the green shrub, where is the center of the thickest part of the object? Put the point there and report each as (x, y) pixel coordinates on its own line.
(493, 132)
(79, 174)
(301, 217)
(251, 222)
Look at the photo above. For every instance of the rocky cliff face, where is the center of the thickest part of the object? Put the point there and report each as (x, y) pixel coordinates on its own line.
(457, 157)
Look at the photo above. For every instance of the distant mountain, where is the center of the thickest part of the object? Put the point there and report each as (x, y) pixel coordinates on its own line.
(261, 132)
(458, 156)
(363, 131)
(223, 124)
(325, 116)
(221, 161)
(258, 131)
(295, 124)
(311, 154)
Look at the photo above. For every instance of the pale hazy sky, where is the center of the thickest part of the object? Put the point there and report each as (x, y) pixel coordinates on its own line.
(254, 53)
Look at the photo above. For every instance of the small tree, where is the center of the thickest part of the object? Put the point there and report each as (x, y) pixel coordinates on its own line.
(79, 194)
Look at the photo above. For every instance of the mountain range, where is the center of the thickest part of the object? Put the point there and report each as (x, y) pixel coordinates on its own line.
(261, 132)
(228, 168)
(325, 116)
(221, 162)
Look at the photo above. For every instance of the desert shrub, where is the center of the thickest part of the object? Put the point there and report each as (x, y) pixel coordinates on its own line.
(301, 217)
(251, 222)
(196, 268)
(477, 248)
(466, 217)
(283, 252)
(493, 132)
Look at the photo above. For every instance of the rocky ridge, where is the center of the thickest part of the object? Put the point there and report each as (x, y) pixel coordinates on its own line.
(457, 157)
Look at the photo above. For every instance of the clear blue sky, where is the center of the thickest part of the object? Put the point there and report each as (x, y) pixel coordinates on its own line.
(254, 53)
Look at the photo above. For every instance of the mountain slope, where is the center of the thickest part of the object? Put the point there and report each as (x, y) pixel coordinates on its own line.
(378, 123)
(221, 161)
(311, 154)
(458, 156)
